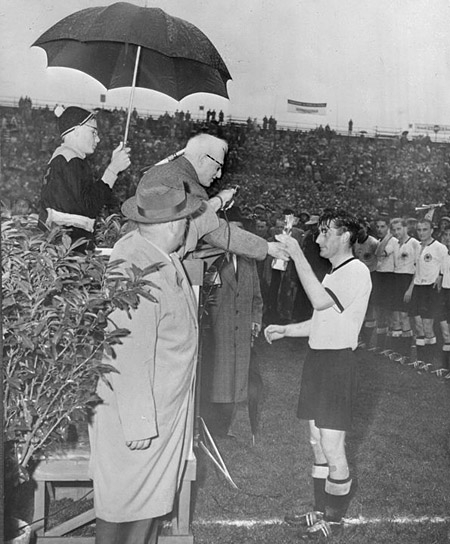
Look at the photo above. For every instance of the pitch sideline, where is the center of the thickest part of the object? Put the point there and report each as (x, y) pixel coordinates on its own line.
(348, 521)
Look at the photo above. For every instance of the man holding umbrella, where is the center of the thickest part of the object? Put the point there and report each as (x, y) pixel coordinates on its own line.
(70, 195)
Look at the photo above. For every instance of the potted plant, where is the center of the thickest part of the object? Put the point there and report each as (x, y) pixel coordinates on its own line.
(55, 309)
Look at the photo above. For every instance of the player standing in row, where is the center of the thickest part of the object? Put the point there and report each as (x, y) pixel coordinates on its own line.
(444, 313)
(384, 281)
(423, 291)
(405, 258)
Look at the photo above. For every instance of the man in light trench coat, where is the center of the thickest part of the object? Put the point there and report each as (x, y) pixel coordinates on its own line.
(141, 433)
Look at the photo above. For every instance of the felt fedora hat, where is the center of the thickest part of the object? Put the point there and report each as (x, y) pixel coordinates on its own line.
(158, 202)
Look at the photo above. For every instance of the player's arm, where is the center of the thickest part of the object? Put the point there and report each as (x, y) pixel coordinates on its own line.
(276, 332)
(438, 281)
(320, 299)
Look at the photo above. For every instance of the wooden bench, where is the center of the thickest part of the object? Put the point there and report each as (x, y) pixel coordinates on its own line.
(66, 468)
(69, 468)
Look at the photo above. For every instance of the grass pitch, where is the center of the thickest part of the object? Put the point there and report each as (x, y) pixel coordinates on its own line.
(398, 450)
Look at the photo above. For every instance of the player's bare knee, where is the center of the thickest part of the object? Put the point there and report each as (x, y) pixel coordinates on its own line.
(315, 444)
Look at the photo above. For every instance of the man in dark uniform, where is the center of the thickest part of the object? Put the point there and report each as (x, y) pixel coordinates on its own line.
(70, 195)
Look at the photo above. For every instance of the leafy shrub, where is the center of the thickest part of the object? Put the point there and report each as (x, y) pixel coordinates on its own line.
(55, 307)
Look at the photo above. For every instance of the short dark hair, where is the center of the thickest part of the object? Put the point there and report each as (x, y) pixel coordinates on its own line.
(383, 218)
(397, 220)
(425, 220)
(288, 211)
(342, 220)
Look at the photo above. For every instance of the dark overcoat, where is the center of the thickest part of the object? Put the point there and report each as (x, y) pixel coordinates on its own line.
(234, 307)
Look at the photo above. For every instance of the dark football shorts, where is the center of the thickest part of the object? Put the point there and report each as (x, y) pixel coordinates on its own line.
(425, 301)
(384, 289)
(444, 305)
(328, 388)
(402, 282)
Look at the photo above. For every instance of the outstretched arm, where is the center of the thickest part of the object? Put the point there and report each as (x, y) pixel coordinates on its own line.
(318, 296)
(236, 240)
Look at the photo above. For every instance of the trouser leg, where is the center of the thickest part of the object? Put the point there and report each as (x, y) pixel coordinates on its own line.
(144, 531)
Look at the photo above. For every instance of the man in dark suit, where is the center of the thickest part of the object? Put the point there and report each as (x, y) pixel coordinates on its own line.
(234, 312)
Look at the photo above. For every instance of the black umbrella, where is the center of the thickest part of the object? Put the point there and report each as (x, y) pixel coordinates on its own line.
(255, 389)
(124, 45)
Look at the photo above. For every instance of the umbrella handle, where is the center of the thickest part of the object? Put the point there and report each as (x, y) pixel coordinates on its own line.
(133, 88)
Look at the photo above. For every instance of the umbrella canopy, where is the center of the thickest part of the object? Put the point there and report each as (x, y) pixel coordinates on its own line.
(176, 58)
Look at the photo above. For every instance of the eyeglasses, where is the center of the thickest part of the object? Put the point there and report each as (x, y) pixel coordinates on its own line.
(216, 161)
(94, 129)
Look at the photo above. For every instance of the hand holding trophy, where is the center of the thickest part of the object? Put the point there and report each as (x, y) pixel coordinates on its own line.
(289, 220)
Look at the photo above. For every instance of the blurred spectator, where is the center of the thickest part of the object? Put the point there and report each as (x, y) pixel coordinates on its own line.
(411, 227)
(444, 222)
(355, 173)
(283, 283)
(302, 306)
(365, 249)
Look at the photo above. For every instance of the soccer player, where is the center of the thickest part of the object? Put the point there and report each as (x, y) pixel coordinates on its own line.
(384, 282)
(327, 392)
(423, 291)
(444, 318)
(405, 257)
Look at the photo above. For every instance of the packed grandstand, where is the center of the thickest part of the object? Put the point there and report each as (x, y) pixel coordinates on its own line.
(274, 167)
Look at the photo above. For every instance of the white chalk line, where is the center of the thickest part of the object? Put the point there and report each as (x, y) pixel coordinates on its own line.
(249, 523)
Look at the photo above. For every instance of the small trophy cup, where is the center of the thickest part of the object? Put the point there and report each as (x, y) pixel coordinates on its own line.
(279, 264)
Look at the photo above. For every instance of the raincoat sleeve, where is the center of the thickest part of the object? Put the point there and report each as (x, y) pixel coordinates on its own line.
(236, 240)
(200, 225)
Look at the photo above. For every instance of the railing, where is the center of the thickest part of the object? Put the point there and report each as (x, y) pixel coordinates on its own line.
(358, 131)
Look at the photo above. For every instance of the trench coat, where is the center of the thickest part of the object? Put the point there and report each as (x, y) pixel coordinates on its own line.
(233, 308)
(151, 397)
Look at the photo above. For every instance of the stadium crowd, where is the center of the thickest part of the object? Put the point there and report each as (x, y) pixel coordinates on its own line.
(279, 172)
